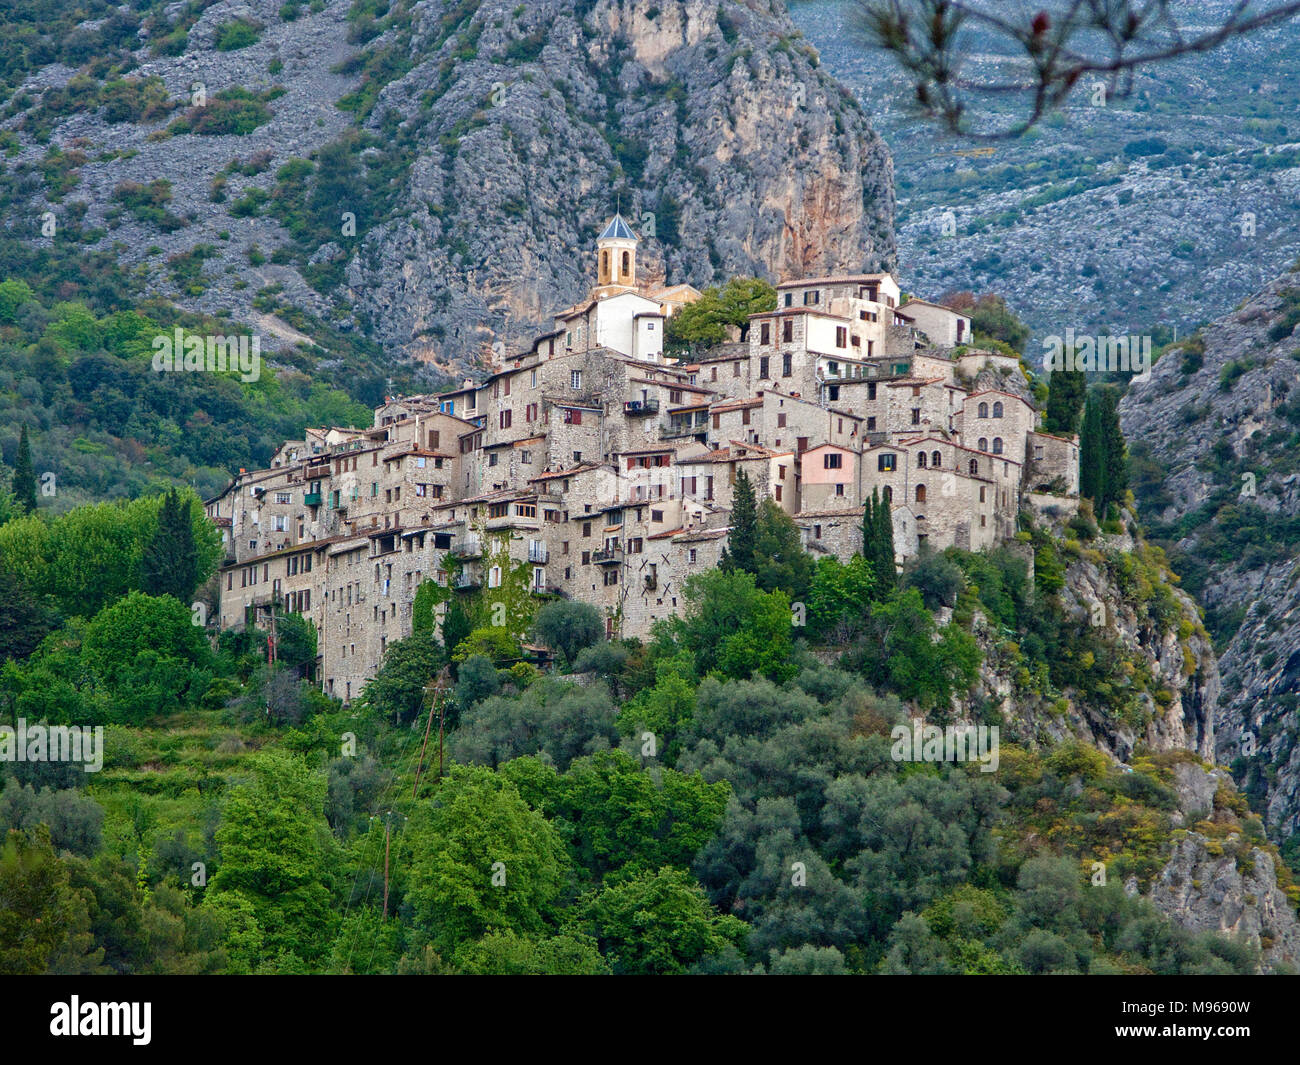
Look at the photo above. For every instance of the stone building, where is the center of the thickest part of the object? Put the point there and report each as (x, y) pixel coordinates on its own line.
(607, 471)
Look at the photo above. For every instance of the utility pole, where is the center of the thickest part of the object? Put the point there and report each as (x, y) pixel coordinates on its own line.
(387, 829)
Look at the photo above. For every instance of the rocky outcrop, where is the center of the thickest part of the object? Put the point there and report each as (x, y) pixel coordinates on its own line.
(1215, 428)
(1218, 879)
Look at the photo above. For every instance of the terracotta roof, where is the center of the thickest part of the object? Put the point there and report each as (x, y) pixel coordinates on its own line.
(565, 473)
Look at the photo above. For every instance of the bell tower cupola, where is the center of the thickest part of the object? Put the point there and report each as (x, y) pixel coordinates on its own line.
(616, 255)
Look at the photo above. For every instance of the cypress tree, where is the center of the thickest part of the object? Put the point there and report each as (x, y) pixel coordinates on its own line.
(878, 541)
(24, 475)
(744, 526)
(1092, 463)
(1114, 452)
(886, 574)
(1066, 392)
(169, 565)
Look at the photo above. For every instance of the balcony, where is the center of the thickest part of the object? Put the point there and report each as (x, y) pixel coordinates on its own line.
(468, 549)
(312, 499)
(539, 553)
(608, 556)
(634, 408)
(670, 429)
(467, 580)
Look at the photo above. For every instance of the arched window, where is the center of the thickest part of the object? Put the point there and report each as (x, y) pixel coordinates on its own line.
(984, 410)
(888, 494)
(997, 409)
(920, 493)
(920, 460)
(997, 445)
(984, 443)
(604, 264)
(936, 460)
(627, 264)
(974, 467)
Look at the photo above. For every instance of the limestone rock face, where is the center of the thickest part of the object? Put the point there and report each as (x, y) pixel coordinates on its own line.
(1216, 423)
(709, 125)
(1226, 884)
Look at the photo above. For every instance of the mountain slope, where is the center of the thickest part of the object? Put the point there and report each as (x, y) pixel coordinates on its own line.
(433, 174)
(1215, 433)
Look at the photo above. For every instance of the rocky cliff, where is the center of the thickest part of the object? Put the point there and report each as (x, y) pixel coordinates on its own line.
(434, 172)
(1215, 434)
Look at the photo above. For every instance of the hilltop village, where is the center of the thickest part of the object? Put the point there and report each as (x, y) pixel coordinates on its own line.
(608, 469)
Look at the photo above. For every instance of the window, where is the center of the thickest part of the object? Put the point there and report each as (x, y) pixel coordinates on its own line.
(787, 365)
(981, 493)
(984, 443)
(871, 425)
(586, 528)
(888, 494)
(763, 363)
(975, 469)
(492, 459)
(575, 379)
(997, 409)
(916, 415)
(832, 460)
(936, 459)
(610, 575)
(920, 493)
(735, 369)
(506, 389)
(586, 558)
(526, 457)
(833, 391)
(780, 421)
(839, 489)
(871, 390)
(657, 516)
(571, 416)
(526, 510)
(713, 373)
(530, 412)
(921, 460)
(841, 337)
(778, 493)
(787, 331)
(494, 577)
(505, 418)
(997, 445)
(691, 556)
(886, 463)
(499, 510)
(765, 333)
(983, 410)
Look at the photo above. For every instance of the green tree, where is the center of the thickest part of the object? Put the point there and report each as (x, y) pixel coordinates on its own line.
(568, 626)
(399, 686)
(657, 923)
(1103, 457)
(278, 854)
(878, 542)
(169, 565)
(481, 861)
(743, 538)
(779, 559)
(838, 597)
(44, 925)
(704, 323)
(24, 480)
(1066, 392)
(729, 625)
(506, 953)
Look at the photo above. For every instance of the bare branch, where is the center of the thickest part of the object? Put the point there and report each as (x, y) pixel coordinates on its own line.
(1047, 52)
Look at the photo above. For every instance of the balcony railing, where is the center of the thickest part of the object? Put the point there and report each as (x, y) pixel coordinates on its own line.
(637, 407)
(312, 499)
(467, 549)
(539, 553)
(671, 429)
(607, 556)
